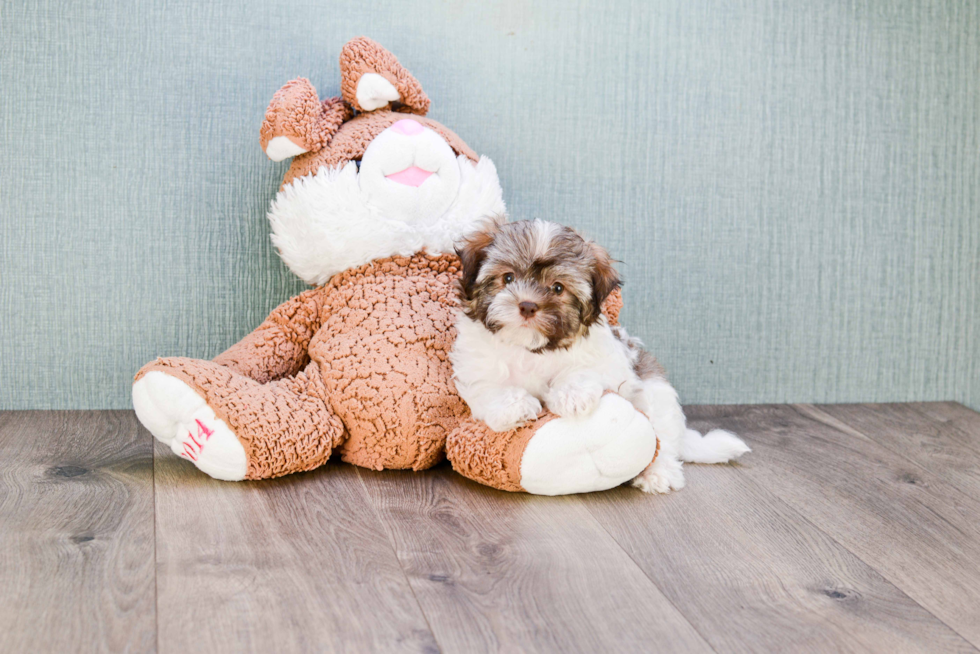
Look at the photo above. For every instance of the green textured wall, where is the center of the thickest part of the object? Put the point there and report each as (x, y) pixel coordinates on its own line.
(794, 188)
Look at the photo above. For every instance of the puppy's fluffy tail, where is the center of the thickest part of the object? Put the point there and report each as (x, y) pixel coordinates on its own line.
(717, 446)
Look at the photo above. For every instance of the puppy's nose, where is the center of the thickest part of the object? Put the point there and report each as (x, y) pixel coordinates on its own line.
(527, 309)
(408, 127)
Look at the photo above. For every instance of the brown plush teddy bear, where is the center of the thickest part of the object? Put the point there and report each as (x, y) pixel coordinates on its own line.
(369, 212)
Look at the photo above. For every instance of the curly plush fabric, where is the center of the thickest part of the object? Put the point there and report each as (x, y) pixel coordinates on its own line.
(285, 426)
(359, 366)
(362, 55)
(297, 113)
(612, 306)
(279, 346)
(491, 458)
(384, 351)
(378, 339)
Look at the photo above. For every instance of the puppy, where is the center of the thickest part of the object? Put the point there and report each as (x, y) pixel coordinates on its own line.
(531, 330)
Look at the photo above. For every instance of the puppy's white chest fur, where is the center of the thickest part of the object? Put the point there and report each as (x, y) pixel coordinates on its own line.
(484, 361)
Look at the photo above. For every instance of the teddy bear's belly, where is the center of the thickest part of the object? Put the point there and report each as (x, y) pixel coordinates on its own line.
(384, 355)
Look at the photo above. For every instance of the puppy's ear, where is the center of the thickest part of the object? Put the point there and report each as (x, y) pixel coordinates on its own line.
(472, 252)
(605, 280)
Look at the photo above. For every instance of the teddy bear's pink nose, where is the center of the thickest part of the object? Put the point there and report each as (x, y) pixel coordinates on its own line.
(408, 127)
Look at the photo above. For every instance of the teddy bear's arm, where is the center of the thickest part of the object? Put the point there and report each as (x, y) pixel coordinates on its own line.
(612, 306)
(279, 346)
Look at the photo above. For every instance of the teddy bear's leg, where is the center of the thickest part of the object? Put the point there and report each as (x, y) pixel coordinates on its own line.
(558, 456)
(232, 427)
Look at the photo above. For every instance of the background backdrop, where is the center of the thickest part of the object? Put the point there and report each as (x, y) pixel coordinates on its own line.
(794, 188)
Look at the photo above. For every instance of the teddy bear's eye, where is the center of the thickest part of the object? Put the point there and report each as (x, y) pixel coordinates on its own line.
(508, 278)
(557, 288)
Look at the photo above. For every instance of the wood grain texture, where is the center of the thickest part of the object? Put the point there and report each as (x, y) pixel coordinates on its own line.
(941, 447)
(849, 528)
(76, 533)
(919, 532)
(496, 571)
(297, 564)
(965, 421)
(753, 575)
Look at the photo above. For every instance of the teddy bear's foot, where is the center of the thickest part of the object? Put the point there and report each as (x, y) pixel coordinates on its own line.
(579, 455)
(180, 418)
(558, 456)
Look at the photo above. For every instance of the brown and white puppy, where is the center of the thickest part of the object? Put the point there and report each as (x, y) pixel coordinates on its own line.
(537, 284)
(531, 330)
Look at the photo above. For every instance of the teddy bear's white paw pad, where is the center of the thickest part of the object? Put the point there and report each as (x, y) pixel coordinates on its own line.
(180, 418)
(211, 446)
(162, 402)
(374, 92)
(580, 455)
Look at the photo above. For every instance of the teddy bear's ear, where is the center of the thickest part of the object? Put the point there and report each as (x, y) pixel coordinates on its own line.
(297, 121)
(371, 78)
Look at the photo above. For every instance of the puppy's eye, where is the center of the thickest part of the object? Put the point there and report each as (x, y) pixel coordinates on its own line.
(508, 278)
(558, 288)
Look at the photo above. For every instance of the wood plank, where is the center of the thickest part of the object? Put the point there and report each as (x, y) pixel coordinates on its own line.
(940, 447)
(963, 418)
(752, 575)
(498, 571)
(76, 532)
(296, 564)
(917, 531)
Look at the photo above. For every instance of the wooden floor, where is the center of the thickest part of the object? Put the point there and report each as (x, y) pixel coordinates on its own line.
(847, 528)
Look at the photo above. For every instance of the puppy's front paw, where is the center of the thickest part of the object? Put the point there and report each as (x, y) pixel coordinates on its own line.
(578, 399)
(512, 410)
(665, 474)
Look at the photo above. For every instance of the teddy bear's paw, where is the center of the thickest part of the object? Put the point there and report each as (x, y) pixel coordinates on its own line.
(180, 418)
(665, 474)
(579, 455)
(375, 92)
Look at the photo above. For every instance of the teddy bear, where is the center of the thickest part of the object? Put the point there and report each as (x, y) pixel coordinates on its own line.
(369, 212)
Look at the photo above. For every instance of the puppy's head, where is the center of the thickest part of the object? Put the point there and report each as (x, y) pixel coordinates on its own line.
(538, 284)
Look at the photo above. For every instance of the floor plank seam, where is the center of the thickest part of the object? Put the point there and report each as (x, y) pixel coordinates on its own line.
(394, 552)
(644, 573)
